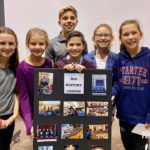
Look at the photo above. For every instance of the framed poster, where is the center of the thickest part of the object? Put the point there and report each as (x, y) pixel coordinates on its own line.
(72, 111)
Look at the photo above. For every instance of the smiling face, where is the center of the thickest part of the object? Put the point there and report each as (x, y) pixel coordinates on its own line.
(37, 45)
(68, 21)
(102, 38)
(130, 37)
(7, 45)
(75, 47)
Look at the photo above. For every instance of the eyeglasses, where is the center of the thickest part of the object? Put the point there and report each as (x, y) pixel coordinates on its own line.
(103, 35)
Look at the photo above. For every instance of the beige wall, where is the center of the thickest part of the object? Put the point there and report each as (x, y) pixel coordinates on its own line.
(24, 14)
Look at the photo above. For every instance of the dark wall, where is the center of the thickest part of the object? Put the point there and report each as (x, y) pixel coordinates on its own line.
(2, 15)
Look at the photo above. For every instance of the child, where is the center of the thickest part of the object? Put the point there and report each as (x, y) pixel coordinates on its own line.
(68, 20)
(75, 44)
(102, 56)
(37, 43)
(9, 105)
(132, 87)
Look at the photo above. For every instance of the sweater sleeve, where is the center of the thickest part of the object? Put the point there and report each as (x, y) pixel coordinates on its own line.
(116, 88)
(24, 101)
(60, 63)
(148, 113)
(87, 64)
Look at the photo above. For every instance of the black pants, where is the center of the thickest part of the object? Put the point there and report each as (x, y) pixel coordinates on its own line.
(6, 135)
(130, 140)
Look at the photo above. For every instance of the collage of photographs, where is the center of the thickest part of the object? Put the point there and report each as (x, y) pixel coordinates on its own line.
(67, 108)
(45, 83)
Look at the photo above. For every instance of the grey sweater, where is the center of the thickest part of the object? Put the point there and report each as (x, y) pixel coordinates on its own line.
(7, 91)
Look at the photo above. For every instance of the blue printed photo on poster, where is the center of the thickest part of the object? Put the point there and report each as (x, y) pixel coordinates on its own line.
(74, 108)
(46, 133)
(97, 131)
(99, 84)
(72, 131)
(45, 148)
(49, 108)
(97, 108)
(45, 83)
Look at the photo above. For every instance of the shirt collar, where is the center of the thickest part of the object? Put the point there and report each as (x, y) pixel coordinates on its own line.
(61, 38)
(78, 62)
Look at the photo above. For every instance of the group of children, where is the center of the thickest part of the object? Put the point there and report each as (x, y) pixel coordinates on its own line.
(130, 71)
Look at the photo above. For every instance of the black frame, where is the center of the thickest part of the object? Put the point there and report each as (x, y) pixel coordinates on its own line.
(58, 94)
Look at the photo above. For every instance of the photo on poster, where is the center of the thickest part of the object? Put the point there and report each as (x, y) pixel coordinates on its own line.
(45, 148)
(49, 108)
(72, 131)
(47, 133)
(74, 108)
(96, 147)
(71, 147)
(97, 131)
(45, 83)
(73, 83)
(97, 108)
(99, 84)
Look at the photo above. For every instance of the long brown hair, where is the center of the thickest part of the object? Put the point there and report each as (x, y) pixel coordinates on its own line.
(132, 21)
(14, 59)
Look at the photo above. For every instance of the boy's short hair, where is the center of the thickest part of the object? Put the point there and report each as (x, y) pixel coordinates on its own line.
(65, 9)
(75, 33)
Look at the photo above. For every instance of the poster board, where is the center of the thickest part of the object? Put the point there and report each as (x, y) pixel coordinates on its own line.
(72, 109)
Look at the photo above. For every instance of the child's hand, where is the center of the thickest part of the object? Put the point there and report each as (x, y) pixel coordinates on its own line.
(79, 68)
(147, 125)
(7, 123)
(69, 67)
(1, 124)
(4, 124)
